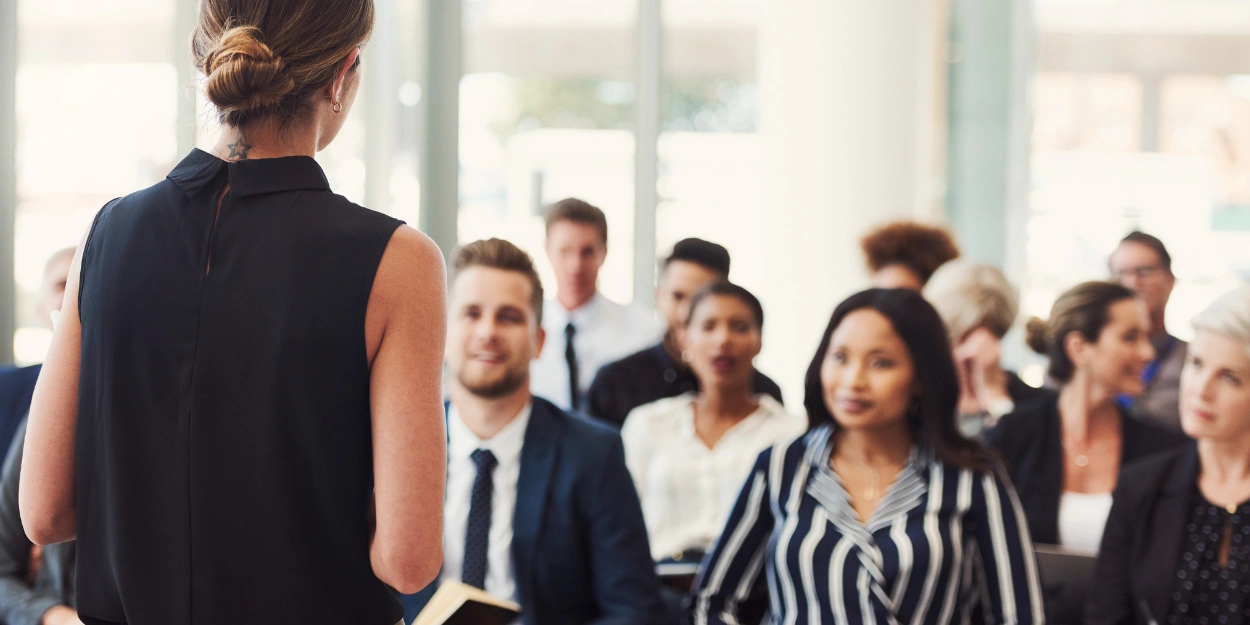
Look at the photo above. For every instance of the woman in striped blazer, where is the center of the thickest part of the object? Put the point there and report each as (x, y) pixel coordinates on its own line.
(883, 512)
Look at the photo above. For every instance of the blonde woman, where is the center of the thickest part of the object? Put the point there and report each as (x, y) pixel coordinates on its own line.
(1177, 544)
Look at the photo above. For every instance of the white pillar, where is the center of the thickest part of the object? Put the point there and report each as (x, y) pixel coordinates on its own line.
(847, 101)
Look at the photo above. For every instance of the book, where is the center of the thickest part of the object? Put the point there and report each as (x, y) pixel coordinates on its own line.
(677, 575)
(457, 603)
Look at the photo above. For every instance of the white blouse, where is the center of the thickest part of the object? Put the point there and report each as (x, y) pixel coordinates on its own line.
(687, 490)
(1082, 518)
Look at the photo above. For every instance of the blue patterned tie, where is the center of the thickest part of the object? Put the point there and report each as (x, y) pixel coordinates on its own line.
(477, 534)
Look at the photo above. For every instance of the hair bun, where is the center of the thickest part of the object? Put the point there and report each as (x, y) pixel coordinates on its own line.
(1035, 331)
(243, 73)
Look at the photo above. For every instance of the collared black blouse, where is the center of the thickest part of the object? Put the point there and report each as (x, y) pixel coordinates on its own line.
(224, 459)
(1204, 591)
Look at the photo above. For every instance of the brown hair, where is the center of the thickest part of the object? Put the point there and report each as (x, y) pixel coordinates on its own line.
(1152, 242)
(916, 246)
(502, 255)
(1084, 308)
(268, 58)
(578, 212)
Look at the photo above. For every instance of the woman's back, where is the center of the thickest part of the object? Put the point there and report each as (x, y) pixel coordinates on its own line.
(224, 456)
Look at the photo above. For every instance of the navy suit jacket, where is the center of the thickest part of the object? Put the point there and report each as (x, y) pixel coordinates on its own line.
(579, 545)
(17, 384)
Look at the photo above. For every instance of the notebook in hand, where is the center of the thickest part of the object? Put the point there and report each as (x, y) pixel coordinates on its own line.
(457, 603)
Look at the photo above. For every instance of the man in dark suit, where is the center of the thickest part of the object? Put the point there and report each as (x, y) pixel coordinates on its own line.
(17, 384)
(540, 507)
(659, 371)
(1143, 264)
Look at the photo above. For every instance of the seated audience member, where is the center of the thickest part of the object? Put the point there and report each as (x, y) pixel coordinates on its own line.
(36, 584)
(585, 329)
(883, 512)
(17, 384)
(1064, 453)
(904, 254)
(1177, 544)
(540, 506)
(690, 454)
(1142, 264)
(979, 307)
(658, 371)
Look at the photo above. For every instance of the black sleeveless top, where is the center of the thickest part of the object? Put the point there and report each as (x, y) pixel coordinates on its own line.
(224, 458)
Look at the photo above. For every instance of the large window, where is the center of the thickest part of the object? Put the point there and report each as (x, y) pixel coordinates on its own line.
(97, 99)
(546, 112)
(1141, 120)
(711, 156)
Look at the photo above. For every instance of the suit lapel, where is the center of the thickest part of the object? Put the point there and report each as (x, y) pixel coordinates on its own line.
(539, 457)
(1166, 535)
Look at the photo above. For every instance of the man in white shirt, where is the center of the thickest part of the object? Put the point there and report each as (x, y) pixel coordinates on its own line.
(586, 330)
(540, 507)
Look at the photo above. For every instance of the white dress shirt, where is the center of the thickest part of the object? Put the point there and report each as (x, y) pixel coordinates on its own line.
(688, 490)
(506, 446)
(606, 332)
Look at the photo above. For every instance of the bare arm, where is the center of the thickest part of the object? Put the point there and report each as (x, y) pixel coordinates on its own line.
(405, 328)
(46, 494)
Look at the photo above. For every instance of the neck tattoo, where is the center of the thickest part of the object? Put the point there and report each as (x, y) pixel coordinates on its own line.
(239, 149)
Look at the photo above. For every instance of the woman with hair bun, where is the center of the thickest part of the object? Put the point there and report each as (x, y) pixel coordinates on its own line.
(240, 417)
(1064, 453)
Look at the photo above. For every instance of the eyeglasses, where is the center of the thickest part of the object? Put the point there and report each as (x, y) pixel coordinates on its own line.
(1141, 273)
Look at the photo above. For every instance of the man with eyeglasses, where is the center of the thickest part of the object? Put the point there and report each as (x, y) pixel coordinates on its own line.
(1143, 264)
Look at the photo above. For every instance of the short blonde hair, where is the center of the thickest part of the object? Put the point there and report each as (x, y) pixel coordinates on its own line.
(1228, 315)
(970, 296)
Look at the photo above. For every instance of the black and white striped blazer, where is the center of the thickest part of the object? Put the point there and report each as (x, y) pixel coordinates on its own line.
(945, 545)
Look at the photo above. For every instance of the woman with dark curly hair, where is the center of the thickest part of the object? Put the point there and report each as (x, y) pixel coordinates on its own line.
(883, 512)
(904, 254)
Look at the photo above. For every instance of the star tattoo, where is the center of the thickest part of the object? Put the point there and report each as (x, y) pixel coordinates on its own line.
(238, 149)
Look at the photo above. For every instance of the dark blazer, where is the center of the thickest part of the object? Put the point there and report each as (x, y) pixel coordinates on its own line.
(1031, 445)
(1142, 544)
(579, 544)
(647, 376)
(17, 384)
(22, 604)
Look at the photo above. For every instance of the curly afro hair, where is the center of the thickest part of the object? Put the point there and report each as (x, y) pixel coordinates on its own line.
(916, 246)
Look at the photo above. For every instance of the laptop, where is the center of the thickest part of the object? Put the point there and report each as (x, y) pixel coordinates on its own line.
(1061, 566)
(1067, 576)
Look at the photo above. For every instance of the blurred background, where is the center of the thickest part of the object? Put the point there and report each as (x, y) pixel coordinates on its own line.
(1041, 132)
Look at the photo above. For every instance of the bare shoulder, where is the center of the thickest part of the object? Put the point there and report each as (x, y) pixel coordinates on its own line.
(411, 262)
(409, 290)
(411, 249)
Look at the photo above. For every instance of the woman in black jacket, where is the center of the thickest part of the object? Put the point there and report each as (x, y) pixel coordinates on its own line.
(1063, 454)
(1177, 543)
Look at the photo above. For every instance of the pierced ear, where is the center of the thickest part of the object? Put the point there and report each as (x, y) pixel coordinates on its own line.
(340, 80)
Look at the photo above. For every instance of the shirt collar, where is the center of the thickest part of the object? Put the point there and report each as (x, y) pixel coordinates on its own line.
(581, 317)
(505, 445)
(266, 175)
(920, 457)
(765, 410)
